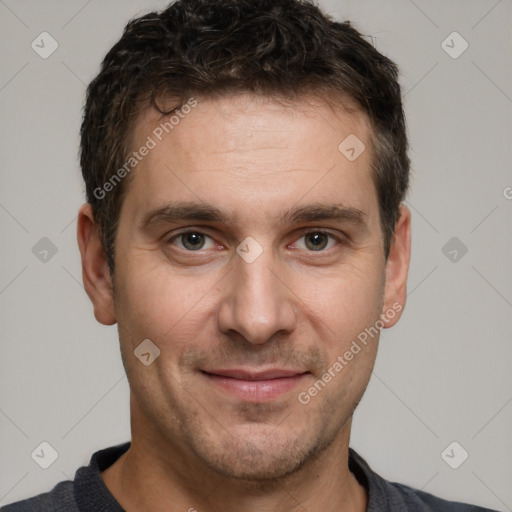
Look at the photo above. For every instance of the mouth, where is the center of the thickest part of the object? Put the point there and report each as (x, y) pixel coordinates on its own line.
(255, 386)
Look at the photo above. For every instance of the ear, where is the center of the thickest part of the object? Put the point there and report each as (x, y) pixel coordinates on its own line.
(397, 268)
(95, 272)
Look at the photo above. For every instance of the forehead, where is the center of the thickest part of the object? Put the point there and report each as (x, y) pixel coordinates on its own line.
(245, 151)
(253, 115)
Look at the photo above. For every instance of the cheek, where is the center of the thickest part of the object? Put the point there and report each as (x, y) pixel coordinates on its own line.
(345, 302)
(166, 309)
(156, 303)
(349, 312)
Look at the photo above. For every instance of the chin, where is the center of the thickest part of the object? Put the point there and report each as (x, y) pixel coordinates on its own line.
(261, 455)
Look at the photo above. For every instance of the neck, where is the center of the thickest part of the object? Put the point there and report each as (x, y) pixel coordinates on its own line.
(157, 475)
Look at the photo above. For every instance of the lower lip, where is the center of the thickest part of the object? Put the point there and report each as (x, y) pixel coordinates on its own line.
(256, 390)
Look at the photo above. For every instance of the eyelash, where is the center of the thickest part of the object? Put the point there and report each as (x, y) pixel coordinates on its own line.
(340, 240)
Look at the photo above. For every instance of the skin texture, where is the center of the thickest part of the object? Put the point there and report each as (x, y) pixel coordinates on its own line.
(195, 444)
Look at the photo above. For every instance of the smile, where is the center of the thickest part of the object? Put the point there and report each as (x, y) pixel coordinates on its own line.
(255, 386)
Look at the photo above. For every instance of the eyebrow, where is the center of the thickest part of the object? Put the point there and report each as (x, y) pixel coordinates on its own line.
(190, 211)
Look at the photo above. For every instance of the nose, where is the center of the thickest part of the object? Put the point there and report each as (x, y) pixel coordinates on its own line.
(257, 302)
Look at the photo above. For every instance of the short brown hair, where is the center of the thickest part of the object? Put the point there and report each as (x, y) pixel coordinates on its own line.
(275, 48)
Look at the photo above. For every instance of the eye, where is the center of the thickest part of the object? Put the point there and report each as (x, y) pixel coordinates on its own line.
(192, 241)
(318, 241)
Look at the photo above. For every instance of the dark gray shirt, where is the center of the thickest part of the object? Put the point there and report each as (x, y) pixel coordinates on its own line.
(88, 493)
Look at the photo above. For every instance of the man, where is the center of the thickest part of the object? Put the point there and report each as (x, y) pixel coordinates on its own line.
(245, 164)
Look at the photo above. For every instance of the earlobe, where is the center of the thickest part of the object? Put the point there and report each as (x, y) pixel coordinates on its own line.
(397, 268)
(95, 272)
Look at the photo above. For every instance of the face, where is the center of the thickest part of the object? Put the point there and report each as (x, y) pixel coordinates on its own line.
(249, 251)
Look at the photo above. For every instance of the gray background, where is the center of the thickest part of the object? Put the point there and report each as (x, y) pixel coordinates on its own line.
(443, 373)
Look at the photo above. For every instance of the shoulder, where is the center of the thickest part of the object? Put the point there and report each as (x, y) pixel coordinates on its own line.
(386, 496)
(60, 499)
(86, 492)
(403, 497)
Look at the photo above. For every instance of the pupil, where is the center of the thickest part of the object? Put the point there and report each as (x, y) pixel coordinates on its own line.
(318, 242)
(193, 241)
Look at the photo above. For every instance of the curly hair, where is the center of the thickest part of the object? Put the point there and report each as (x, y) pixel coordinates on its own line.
(276, 48)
